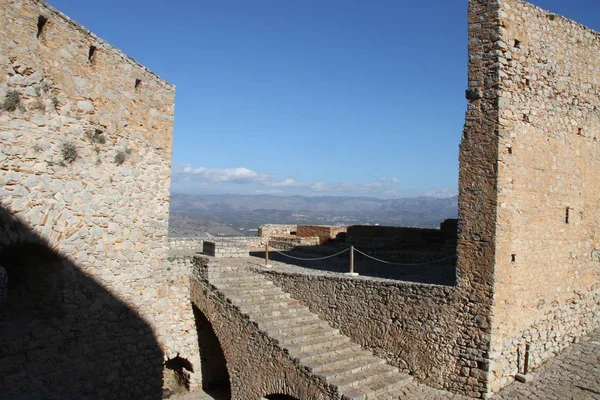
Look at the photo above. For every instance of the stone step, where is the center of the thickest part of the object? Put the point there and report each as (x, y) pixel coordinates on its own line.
(332, 361)
(350, 367)
(228, 279)
(243, 284)
(308, 356)
(295, 328)
(387, 388)
(298, 337)
(250, 291)
(314, 344)
(320, 348)
(363, 377)
(260, 298)
(297, 318)
(273, 304)
(279, 313)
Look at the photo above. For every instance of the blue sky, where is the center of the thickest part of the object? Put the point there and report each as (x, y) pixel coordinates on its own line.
(312, 97)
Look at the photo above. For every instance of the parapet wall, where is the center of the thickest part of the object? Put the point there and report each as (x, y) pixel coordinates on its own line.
(547, 281)
(85, 157)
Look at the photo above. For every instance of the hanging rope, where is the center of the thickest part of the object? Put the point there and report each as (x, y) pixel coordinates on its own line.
(310, 259)
(392, 263)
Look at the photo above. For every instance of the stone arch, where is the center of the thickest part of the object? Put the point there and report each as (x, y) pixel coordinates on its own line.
(213, 360)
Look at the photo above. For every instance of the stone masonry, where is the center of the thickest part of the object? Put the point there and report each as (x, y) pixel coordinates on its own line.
(85, 157)
(225, 249)
(545, 85)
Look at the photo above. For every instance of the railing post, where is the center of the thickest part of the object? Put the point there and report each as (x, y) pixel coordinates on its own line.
(526, 364)
(351, 273)
(267, 255)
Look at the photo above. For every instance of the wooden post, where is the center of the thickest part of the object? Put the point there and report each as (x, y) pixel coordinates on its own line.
(267, 254)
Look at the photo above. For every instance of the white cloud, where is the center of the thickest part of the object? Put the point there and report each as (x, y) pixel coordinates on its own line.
(215, 180)
(233, 175)
(288, 183)
(441, 193)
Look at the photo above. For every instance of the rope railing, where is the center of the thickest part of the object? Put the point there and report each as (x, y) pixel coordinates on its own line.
(405, 264)
(351, 249)
(310, 259)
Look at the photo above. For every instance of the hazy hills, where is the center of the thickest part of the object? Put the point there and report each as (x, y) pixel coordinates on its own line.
(244, 212)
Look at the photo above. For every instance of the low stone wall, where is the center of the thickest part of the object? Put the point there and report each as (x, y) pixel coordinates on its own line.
(270, 230)
(223, 249)
(290, 242)
(324, 232)
(176, 243)
(416, 327)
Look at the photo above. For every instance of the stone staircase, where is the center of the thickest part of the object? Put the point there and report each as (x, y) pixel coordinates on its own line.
(323, 350)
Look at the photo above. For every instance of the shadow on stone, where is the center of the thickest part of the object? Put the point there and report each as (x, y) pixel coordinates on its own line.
(63, 334)
(419, 266)
(215, 377)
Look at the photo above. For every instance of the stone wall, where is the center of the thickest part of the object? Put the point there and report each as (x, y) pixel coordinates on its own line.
(269, 230)
(185, 243)
(413, 326)
(85, 158)
(223, 249)
(324, 232)
(291, 242)
(547, 281)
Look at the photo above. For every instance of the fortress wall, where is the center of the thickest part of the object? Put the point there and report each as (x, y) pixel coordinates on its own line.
(547, 273)
(106, 209)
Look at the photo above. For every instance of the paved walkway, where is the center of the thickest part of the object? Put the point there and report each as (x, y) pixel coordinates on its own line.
(572, 375)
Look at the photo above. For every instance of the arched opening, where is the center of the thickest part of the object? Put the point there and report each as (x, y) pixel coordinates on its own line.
(278, 397)
(215, 378)
(34, 282)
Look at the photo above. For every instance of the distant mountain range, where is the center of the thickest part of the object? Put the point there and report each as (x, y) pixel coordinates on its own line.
(243, 213)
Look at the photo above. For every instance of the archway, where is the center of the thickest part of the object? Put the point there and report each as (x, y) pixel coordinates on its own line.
(278, 397)
(213, 365)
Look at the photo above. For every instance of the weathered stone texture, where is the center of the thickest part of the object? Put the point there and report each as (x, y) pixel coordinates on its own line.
(413, 326)
(106, 208)
(547, 284)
